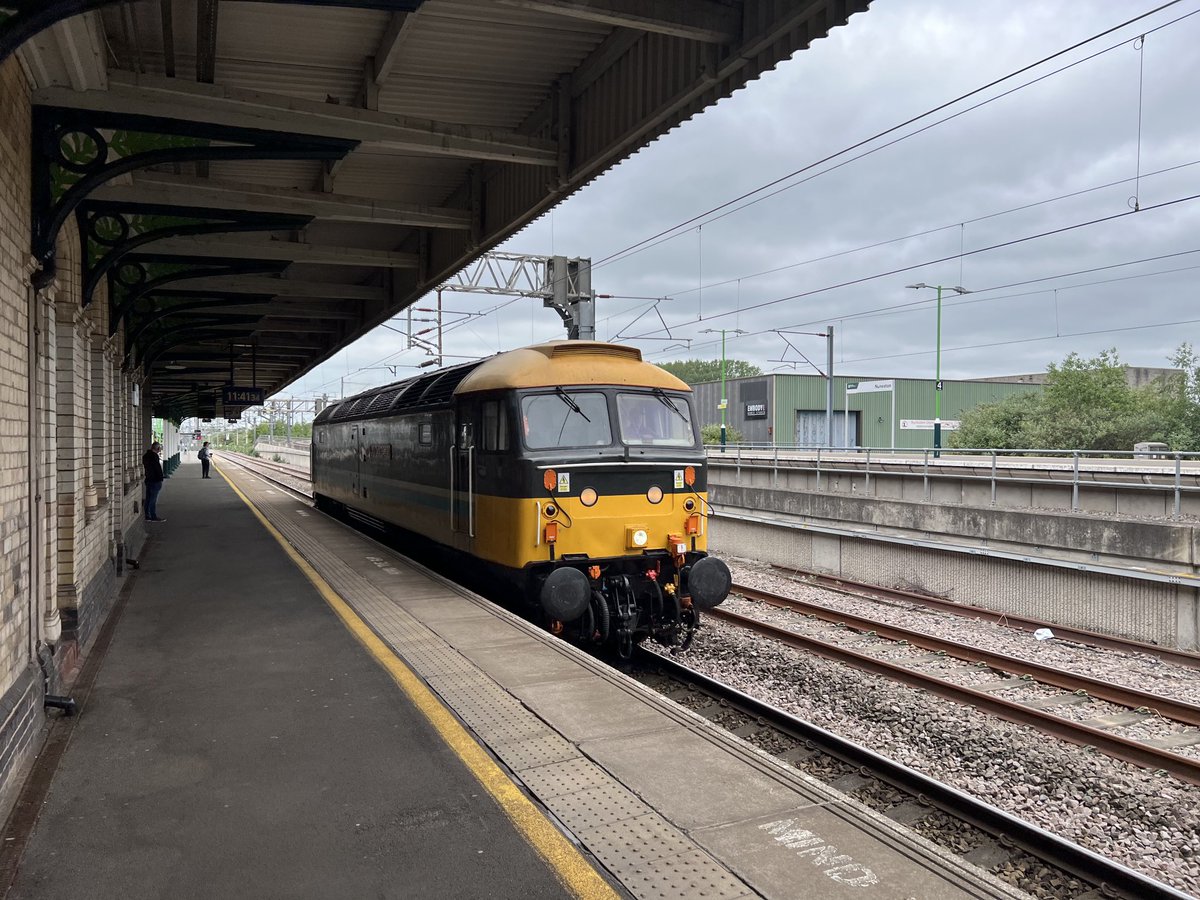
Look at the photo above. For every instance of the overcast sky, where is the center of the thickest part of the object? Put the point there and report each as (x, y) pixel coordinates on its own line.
(923, 199)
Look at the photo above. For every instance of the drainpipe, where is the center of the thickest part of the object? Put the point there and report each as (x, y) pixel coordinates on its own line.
(51, 625)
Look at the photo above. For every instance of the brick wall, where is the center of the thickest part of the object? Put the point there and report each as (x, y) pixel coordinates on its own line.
(19, 689)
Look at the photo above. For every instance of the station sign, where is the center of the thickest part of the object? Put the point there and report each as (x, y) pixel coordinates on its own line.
(242, 396)
(756, 410)
(927, 424)
(870, 387)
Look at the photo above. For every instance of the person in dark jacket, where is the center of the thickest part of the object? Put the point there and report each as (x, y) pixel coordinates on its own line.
(205, 455)
(154, 481)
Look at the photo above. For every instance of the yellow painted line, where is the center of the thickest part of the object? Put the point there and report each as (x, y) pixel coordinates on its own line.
(563, 857)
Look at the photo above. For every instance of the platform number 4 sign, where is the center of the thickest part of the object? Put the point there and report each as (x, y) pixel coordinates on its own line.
(938, 386)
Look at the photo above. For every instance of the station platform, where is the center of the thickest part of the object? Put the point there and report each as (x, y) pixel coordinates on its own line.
(287, 708)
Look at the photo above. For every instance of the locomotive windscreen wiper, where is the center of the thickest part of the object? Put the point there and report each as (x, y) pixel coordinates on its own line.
(666, 401)
(567, 399)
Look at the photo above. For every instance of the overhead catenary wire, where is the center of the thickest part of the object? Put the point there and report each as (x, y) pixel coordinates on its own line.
(898, 270)
(920, 305)
(704, 216)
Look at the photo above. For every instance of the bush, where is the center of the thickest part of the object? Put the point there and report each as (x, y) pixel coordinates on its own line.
(711, 434)
(275, 457)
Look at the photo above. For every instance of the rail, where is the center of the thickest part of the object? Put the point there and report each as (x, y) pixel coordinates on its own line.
(1110, 878)
(1155, 471)
(1131, 751)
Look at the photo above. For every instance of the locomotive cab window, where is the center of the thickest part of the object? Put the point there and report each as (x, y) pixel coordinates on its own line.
(657, 419)
(495, 425)
(565, 419)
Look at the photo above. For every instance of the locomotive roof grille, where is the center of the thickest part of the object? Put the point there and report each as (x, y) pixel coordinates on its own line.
(443, 388)
(590, 349)
(382, 401)
(419, 392)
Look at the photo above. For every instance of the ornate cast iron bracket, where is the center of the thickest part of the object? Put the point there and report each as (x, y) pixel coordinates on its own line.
(109, 231)
(77, 151)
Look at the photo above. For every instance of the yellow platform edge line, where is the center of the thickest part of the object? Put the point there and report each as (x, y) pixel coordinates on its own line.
(563, 857)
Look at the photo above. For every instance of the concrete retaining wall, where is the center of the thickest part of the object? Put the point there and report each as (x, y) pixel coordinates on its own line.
(970, 486)
(1151, 611)
(293, 456)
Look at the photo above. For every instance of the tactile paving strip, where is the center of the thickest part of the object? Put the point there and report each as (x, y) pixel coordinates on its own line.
(644, 852)
(569, 777)
(594, 808)
(640, 840)
(694, 875)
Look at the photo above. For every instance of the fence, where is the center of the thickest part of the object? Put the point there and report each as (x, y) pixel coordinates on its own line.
(1174, 473)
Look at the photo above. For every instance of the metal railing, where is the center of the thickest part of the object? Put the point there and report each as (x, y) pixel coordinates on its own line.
(1156, 471)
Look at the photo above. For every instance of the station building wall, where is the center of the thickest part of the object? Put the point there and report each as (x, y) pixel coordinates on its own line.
(70, 447)
(788, 396)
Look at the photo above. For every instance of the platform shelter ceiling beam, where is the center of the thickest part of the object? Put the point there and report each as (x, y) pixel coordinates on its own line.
(399, 28)
(696, 20)
(276, 310)
(152, 95)
(283, 251)
(280, 287)
(179, 190)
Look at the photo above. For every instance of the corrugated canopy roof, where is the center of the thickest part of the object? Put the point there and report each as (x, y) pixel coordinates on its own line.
(281, 176)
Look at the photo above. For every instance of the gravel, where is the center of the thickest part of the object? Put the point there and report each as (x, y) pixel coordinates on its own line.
(1147, 821)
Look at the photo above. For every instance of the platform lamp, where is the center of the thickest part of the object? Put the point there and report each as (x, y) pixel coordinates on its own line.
(724, 399)
(937, 386)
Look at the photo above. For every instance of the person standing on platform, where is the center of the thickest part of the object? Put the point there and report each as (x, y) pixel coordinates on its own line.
(204, 456)
(154, 481)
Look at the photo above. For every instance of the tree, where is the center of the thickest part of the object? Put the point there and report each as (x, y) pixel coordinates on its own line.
(695, 371)
(1087, 404)
(711, 434)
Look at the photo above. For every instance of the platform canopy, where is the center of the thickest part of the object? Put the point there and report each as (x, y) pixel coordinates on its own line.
(260, 183)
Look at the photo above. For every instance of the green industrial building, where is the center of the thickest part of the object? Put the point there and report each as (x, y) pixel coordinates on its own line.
(867, 412)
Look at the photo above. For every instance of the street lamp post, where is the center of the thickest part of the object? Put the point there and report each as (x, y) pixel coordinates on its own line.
(724, 399)
(937, 386)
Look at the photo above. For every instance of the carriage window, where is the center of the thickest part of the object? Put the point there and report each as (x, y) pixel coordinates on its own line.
(495, 425)
(657, 419)
(425, 433)
(565, 419)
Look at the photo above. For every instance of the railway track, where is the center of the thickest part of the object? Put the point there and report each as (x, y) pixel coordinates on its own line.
(997, 840)
(1036, 713)
(1009, 620)
(272, 472)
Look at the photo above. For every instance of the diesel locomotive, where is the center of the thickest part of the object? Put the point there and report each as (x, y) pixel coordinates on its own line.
(572, 472)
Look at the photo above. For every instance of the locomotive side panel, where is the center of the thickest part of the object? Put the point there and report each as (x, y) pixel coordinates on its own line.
(334, 453)
(405, 464)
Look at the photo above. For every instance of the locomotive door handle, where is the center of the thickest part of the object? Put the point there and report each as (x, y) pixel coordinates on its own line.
(470, 491)
(453, 499)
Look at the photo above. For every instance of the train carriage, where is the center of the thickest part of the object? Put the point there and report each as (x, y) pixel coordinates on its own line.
(572, 471)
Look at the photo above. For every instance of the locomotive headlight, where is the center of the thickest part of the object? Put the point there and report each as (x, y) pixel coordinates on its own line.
(588, 496)
(636, 537)
(689, 504)
(655, 494)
